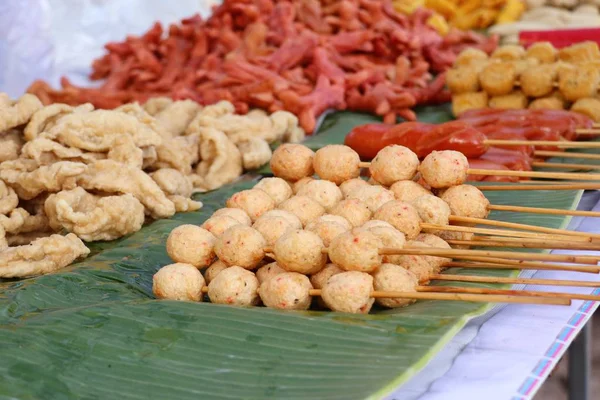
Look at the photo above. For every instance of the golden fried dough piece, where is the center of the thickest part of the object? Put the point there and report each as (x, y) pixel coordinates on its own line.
(179, 153)
(221, 160)
(589, 107)
(544, 52)
(175, 117)
(125, 151)
(550, 103)
(498, 79)
(172, 181)
(185, 204)
(470, 55)
(468, 101)
(580, 52)
(509, 52)
(155, 105)
(46, 117)
(93, 217)
(21, 221)
(47, 152)
(462, 80)
(256, 152)
(579, 83)
(11, 143)
(539, 80)
(97, 130)
(516, 100)
(29, 180)
(113, 177)
(8, 198)
(42, 256)
(149, 156)
(13, 114)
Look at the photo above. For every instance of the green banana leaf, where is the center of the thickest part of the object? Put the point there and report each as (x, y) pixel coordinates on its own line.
(94, 330)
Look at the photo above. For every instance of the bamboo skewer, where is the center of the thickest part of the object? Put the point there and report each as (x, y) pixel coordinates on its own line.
(554, 186)
(542, 210)
(458, 296)
(564, 165)
(555, 143)
(565, 154)
(502, 232)
(454, 289)
(514, 225)
(499, 263)
(585, 131)
(537, 174)
(525, 244)
(514, 281)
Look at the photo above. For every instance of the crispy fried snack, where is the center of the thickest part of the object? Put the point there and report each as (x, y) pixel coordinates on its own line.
(155, 105)
(13, 114)
(179, 153)
(97, 130)
(94, 217)
(113, 177)
(125, 151)
(175, 117)
(46, 117)
(46, 152)
(8, 198)
(29, 179)
(255, 153)
(42, 256)
(11, 143)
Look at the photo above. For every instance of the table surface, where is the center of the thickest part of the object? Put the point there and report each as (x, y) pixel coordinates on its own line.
(508, 355)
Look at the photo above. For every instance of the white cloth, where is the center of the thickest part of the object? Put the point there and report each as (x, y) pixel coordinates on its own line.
(509, 355)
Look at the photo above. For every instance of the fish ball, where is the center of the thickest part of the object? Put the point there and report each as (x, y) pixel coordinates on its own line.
(391, 238)
(470, 55)
(236, 213)
(420, 265)
(394, 278)
(408, 191)
(512, 101)
(349, 292)
(242, 246)
(432, 210)
(219, 224)
(589, 107)
(326, 230)
(286, 291)
(498, 79)
(394, 163)
(190, 244)
(178, 281)
(544, 52)
(353, 210)
(288, 216)
(442, 169)
(372, 196)
(277, 188)
(402, 216)
(468, 101)
(300, 251)
(325, 193)
(335, 218)
(579, 83)
(337, 163)
(538, 81)
(466, 201)
(509, 52)
(292, 162)
(462, 80)
(298, 185)
(214, 270)
(253, 201)
(356, 250)
(303, 207)
(268, 271)
(272, 228)
(350, 185)
(234, 286)
(319, 279)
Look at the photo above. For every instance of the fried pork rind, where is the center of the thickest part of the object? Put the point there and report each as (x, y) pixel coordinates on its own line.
(286, 128)
(8, 198)
(21, 221)
(255, 153)
(97, 130)
(47, 152)
(155, 105)
(221, 160)
(125, 151)
(11, 143)
(3, 240)
(19, 112)
(113, 177)
(179, 153)
(175, 118)
(172, 181)
(93, 217)
(22, 239)
(46, 117)
(42, 256)
(28, 179)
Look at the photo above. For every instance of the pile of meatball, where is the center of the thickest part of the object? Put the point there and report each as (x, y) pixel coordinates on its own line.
(293, 233)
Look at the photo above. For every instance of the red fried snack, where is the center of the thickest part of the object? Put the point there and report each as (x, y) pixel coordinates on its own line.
(304, 56)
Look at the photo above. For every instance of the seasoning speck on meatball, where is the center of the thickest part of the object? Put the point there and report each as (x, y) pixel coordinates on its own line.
(178, 282)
